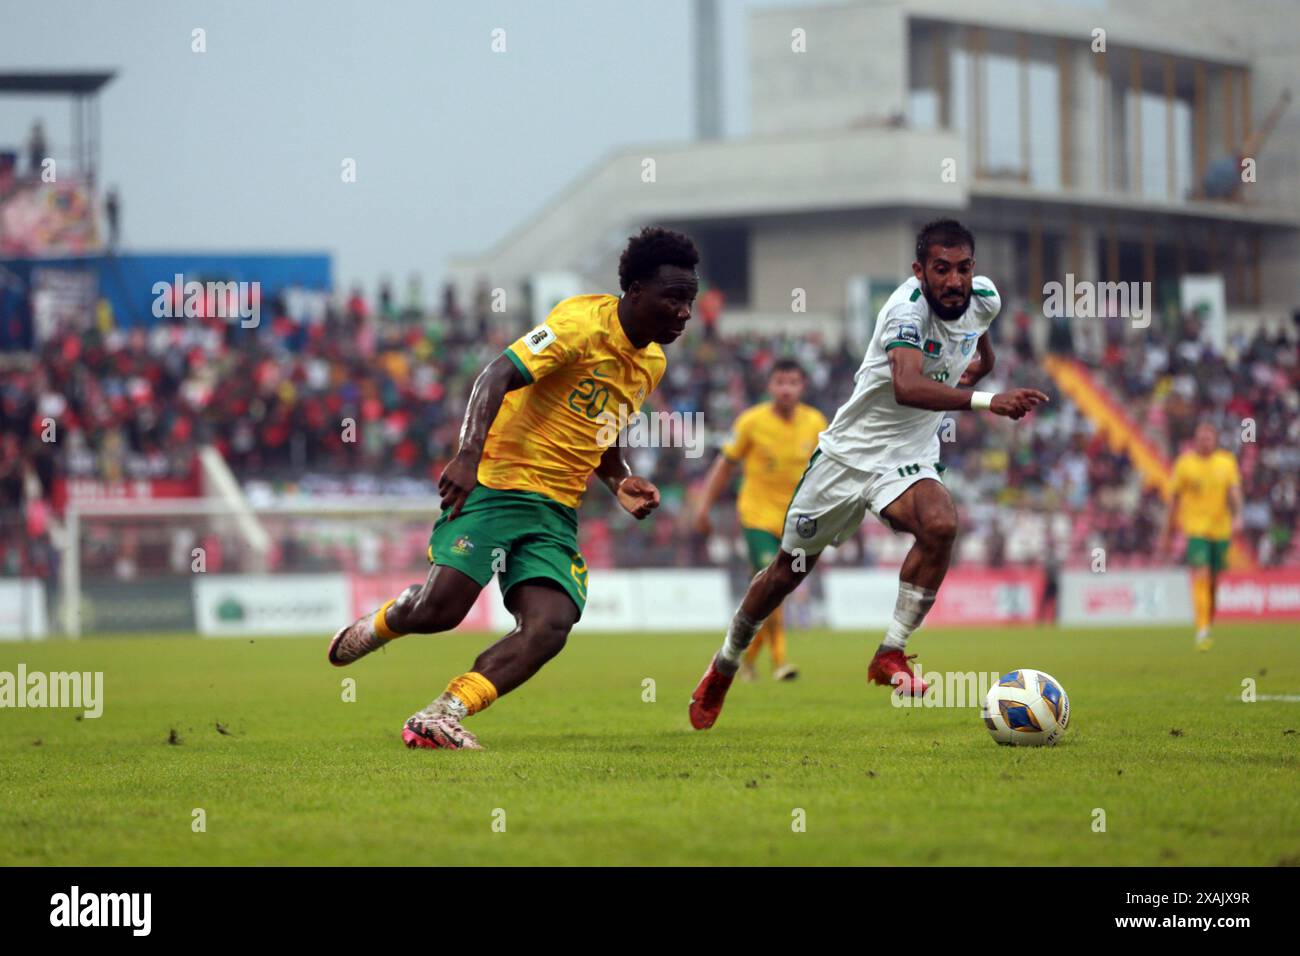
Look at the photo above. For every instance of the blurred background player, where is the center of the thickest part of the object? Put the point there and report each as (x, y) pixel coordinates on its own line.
(771, 443)
(881, 454)
(529, 443)
(1206, 501)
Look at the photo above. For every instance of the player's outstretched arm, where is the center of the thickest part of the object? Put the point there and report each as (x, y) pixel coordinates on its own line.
(637, 495)
(719, 477)
(461, 474)
(913, 389)
(1171, 521)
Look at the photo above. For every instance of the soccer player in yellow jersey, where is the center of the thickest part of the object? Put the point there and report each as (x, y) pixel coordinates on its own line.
(1206, 502)
(531, 439)
(771, 443)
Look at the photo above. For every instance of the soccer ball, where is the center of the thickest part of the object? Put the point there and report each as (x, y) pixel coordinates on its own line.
(1026, 708)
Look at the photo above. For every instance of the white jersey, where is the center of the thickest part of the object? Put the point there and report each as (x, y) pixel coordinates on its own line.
(871, 432)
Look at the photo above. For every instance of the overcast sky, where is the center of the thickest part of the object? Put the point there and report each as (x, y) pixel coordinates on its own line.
(240, 148)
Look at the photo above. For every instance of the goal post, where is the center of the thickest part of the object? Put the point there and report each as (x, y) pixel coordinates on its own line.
(110, 548)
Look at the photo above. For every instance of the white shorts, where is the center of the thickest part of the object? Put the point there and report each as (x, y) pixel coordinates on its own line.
(832, 499)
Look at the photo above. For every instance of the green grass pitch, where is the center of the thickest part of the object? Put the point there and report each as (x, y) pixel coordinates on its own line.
(587, 772)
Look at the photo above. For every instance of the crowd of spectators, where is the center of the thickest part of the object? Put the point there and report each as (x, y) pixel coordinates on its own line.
(1170, 380)
(362, 399)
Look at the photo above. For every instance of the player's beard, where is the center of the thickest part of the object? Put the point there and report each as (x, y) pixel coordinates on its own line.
(947, 313)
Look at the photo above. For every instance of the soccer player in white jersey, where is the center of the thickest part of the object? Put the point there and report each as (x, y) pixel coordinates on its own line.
(881, 454)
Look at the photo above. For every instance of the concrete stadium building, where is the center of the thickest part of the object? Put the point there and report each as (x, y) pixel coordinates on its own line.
(1104, 140)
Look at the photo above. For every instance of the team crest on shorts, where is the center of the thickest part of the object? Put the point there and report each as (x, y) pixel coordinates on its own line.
(806, 526)
(462, 545)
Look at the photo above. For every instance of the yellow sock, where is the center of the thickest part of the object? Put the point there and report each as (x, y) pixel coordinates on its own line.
(751, 652)
(1202, 599)
(381, 622)
(776, 637)
(473, 690)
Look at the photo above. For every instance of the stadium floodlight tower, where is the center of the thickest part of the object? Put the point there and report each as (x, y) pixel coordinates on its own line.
(83, 87)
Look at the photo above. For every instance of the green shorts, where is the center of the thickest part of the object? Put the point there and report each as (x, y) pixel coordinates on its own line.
(1207, 552)
(763, 546)
(519, 534)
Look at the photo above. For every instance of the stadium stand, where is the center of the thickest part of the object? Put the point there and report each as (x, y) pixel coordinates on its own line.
(137, 405)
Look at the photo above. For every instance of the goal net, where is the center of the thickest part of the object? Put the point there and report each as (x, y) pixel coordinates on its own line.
(189, 564)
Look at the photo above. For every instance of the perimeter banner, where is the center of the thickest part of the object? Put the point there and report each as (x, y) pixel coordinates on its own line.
(1127, 597)
(857, 598)
(1272, 594)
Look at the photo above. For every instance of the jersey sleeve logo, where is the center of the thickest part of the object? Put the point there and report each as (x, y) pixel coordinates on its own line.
(539, 338)
(907, 332)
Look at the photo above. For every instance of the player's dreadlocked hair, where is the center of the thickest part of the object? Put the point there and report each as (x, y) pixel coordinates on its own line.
(652, 248)
(942, 232)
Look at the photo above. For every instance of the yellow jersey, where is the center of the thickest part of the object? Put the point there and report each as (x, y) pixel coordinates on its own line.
(1201, 483)
(773, 452)
(581, 368)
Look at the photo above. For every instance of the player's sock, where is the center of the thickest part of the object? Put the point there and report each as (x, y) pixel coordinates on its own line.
(751, 652)
(379, 624)
(739, 635)
(913, 604)
(465, 695)
(775, 631)
(1202, 600)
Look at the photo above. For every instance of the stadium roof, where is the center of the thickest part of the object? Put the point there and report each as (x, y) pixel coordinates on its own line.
(54, 82)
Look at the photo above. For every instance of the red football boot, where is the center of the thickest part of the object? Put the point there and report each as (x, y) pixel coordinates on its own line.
(706, 701)
(890, 668)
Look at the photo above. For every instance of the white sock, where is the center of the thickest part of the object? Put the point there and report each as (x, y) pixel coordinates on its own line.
(451, 705)
(740, 634)
(913, 604)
